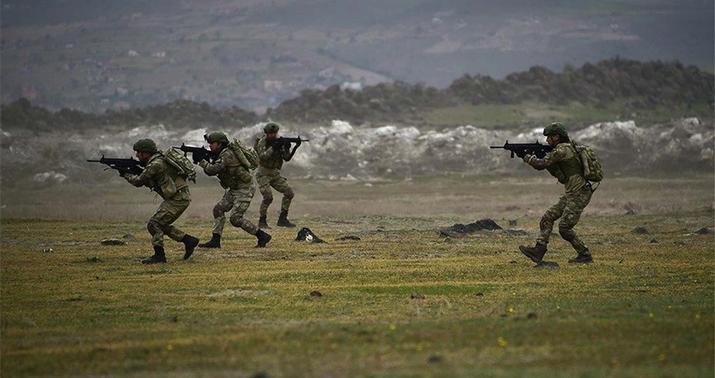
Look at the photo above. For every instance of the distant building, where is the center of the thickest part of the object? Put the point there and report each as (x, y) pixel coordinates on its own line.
(133, 53)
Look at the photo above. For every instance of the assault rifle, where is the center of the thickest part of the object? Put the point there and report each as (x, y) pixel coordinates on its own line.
(522, 149)
(197, 153)
(284, 143)
(130, 165)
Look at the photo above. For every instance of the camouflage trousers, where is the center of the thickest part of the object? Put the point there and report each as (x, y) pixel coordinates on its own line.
(569, 209)
(279, 183)
(237, 201)
(169, 211)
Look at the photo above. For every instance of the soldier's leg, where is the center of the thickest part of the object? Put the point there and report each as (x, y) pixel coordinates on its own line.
(242, 199)
(575, 204)
(546, 225)
(219, 212)
(173, 209)
(264, 186)
(280, 184)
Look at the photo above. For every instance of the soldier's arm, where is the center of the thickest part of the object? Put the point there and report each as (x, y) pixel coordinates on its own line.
(144, 179)
(212, 169)
(556, 155)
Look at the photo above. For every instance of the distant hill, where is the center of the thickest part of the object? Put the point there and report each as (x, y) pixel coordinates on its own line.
(612, 87)
(94, 55)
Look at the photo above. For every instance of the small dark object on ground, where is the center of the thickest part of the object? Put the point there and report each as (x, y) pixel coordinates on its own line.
(260, 374)
(653, 241)
(514, 232)
(175, 319)
(640, 230)
(434, 359)
(512, 222)
(531, 315)
(417, 296)
(704, 231)
(112, 242)
(459, 229)
(305, 234)
(316, 293)
(547, 265)
(348, 237)
(512, 262)
(93, 259)
(479, 294)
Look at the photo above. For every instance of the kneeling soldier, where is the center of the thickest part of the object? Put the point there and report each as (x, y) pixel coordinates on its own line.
(163, 179)
(269, 175)
(564, 164)
(238, 182)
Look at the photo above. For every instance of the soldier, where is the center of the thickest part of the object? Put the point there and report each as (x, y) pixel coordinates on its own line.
(238, 182)
(269, 175)
(163, 179)
(563, 163)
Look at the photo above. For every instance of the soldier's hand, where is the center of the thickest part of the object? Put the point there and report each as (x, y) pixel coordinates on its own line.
(527, 158)
(203, 163)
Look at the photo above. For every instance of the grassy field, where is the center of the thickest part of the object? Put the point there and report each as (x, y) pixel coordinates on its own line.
(402, 301)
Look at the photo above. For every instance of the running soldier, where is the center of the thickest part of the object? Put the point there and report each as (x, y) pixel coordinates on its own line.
(164, 179)
(236, 179)
(564, 164)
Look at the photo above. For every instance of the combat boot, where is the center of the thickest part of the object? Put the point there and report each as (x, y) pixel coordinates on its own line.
(582, 258)
(283, 220)
(263, 223)
(535, 253)
(263, 238)
(159, 256)
(215, 242)
(190, 244)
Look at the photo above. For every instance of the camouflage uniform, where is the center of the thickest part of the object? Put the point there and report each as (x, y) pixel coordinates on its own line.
(269, 175)
(238, 182)
(563, 163)
(164, 180)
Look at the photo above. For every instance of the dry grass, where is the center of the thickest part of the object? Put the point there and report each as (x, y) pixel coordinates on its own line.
(643, 309)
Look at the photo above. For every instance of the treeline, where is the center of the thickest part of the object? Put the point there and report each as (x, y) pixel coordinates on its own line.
(637, 85)
(180, 113)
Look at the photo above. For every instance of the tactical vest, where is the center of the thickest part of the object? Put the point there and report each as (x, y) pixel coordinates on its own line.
(166, 182)
(273, 161)
(235, 174)
(569, 171)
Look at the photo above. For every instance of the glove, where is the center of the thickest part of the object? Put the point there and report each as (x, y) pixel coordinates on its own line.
(203, 163)
(527, 158)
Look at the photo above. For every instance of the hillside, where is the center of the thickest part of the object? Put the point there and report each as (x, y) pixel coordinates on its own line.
(99, 55)
(608, 90)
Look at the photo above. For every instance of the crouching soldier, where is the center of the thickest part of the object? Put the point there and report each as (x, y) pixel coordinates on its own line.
(238, 183)
(268, 175)
(164, 179)
(564, 164)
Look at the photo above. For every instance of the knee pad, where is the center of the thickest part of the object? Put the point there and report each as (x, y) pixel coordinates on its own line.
(153, 226)
(236, 220)
(567, 233)
(267, 197)
(289, 193)
(218, 211)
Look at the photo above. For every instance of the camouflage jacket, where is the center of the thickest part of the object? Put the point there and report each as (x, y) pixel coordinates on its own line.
(563, 163)
(159, 176)
(269, 160)
(231, 173)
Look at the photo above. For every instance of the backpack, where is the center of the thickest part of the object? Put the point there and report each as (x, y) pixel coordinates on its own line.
(592, 169)
(181, 163)
(246, 155)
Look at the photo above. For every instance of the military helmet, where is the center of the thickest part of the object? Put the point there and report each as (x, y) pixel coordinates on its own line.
(145, 145)
(216, 136)
(556, 128)
(271, 127)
